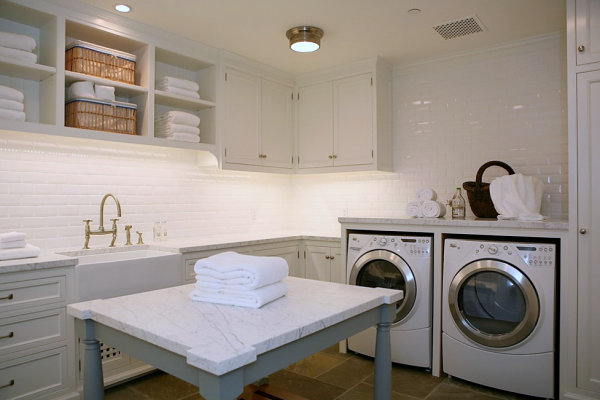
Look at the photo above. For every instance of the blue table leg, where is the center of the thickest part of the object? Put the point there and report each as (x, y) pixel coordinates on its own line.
(93, 382)
(383, 355)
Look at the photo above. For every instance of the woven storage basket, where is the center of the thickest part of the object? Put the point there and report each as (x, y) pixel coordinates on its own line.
(91, 59)
(479, 192)
(101, 115)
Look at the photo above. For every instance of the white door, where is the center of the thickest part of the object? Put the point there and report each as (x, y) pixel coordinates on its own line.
(276, 124)
(242, 110)
(318, 265)
(353, 120)
(587, 31)
(315, 126)
(588, 221)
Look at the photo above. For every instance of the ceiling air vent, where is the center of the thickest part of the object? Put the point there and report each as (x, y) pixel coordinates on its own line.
(460, 27)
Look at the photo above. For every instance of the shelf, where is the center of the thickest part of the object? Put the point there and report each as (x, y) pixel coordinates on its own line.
(172, 100)
(124, 89)
(16, 69)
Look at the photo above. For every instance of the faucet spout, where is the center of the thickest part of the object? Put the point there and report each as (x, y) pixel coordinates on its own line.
(101, 228)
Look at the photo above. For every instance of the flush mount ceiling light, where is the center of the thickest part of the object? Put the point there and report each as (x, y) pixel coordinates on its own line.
(124, 8)
(305, 39)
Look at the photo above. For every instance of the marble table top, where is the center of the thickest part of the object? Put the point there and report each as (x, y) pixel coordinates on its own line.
(219, 338)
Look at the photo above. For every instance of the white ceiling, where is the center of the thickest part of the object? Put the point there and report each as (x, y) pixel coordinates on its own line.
(354, 29)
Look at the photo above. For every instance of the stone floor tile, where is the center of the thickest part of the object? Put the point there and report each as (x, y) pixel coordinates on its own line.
(123, 392)
(449, 391)
(304, 386)
(316, 364)
(160, 385)
(412, 381)
(364, 391)
(348, 373)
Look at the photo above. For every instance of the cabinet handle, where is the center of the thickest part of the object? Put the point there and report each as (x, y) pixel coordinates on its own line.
(12, 383)
(583, 231)
(9, 297)
(7, 336)
(581, 48)
(327, 257)
(330, 156)
(332, 258)
(334, 156)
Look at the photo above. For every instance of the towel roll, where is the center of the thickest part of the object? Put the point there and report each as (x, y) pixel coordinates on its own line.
(178, 83)
(18, 55)
(9, 93)
(433, 209)
(17, 41)
(11, 105)
(245, 298)
(12, 115)
(414, 209)
(426, 193)
(23, 252)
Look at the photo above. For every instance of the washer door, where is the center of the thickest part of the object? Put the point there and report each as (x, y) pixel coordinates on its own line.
(382, 268)
(493, 303)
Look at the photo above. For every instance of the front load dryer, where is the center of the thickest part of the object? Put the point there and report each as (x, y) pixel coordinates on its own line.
(498, 314)
(400, 262)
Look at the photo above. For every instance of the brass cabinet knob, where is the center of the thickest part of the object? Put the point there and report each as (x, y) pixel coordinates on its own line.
(330, 156)
(583, 231)
(581, 48)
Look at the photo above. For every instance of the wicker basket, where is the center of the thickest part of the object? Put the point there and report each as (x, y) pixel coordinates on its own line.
(91, 59)
(101, 115)
(479, 192)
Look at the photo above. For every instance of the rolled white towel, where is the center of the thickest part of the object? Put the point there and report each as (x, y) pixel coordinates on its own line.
(81, 89)
(433, 209)
(179, 117)
(179, 136)
(414, 209)
(180, 92)
(245, 298)
(104, 92)
(23, 252)
(9, 93)
(170, 128)
(11, 105)
(12, 115)
(249, 272)
(13, 245)
(18, 55)
(426, 193)
(178, 83)
(17, 41)
(12, 237)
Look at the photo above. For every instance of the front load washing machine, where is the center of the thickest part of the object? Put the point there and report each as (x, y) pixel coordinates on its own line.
(401, 262)
(498, 314)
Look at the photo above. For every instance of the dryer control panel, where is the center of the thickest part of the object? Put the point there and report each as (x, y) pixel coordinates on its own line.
(413, 245)
(535, 254)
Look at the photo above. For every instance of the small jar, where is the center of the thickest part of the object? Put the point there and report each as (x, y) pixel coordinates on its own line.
(157, 231)
(163, 230)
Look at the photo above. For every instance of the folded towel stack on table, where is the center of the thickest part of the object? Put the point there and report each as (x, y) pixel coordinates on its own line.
(14, 245)
(11, 104)
(17, 47)
(178, 125)
(240, 280)
(426, 205)
(180, 87)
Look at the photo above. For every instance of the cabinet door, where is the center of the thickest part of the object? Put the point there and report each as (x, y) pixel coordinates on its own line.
(587, 30)
(588, 220)
(318, 264)
(353, 120)
(315, 126)
(276, 124)
(338, 273)
(242, 110)
(289, 253)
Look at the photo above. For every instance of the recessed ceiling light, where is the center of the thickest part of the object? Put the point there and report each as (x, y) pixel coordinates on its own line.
(414, 11)
(124, 8)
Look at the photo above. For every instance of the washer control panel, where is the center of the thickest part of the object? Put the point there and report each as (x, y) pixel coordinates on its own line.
(413, 245)
(535, 255)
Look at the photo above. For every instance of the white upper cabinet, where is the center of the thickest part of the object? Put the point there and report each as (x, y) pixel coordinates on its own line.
(315, 126)
(276, 124)
(587, 31)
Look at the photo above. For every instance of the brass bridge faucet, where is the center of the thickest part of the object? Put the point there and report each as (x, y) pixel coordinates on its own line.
(101, 230)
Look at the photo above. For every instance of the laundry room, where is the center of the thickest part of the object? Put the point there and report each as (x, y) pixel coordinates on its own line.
(134, 145)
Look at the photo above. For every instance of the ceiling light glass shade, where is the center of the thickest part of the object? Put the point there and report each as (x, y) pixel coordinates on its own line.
(124, 8)
(305, 39)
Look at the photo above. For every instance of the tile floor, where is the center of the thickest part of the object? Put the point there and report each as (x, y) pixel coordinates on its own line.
(327, 375)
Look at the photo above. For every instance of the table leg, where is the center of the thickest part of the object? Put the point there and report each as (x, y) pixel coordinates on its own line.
(383, 355)
(93, 382)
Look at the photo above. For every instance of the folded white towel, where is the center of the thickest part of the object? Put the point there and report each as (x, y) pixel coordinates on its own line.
(433, 209)
(414, 209)
(12, 237)
(12, 115)
(18, 55)
(180, 92)
(426, 193)
(167, 127)
(17, 41)
(249, 272)
(24, 252)
(178, 83)
(104, 92)
(9, 93)
(245, 298)
(11, 105)
(13, 245)
(179, 117)
(81, 89)
(180, 137)
(517, 197)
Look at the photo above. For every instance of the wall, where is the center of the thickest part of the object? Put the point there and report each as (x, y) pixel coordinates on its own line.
(450, 116)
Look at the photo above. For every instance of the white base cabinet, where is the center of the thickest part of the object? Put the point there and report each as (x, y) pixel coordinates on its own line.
(323, 261)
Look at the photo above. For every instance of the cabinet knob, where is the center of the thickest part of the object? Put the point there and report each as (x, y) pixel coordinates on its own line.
(332, 257)
(583, 231)
(330, 156)
(334, 156)
(581, 48)
(327, 257)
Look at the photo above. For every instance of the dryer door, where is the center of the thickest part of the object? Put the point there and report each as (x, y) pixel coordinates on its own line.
(382, 268)
(493, 303)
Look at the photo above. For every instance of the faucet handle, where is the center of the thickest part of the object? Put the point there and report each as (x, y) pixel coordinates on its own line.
(128, 230)
(140, 240)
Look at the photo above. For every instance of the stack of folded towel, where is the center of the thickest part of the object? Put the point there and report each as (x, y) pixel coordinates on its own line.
(14, 245)
(180, 87)
(178, 125)
(11, 104)
(240, 280)
(17, 47)
(426, 205)
(89, 90)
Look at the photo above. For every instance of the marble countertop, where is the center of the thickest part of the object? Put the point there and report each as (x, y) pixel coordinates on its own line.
(549, 224)
(219, 338)
(45, 260)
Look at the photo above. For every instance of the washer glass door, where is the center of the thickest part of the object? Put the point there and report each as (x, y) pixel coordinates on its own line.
(493, 303)
(382, 268)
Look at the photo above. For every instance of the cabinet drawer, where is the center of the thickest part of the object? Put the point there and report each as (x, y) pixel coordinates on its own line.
(34, 376)
(34, 329)
(31, 293)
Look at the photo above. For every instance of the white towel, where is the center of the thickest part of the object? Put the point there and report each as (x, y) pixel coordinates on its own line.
(104, 92)
(81, 89)
(180, 92)
(17, 41)
(414, 209)
(167, 127)
(12, 115)
(517, 197)
(244, 271)
(178, 83)
(13, 245)
(179, 117)
(433, 209)
(18, 55)
(426, 193)
(11, 105)
(12, 237)
(9, 93)
(179, 136)
(23, 252)
(245, 298)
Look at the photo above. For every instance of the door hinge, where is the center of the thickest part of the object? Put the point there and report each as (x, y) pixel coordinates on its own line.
(372, 154)
(371, 81)
(225, 75)
(225, 151)
(305, 254)
(298, 96)
(292, 94)
(292, 160)
(298, 254)
(298, 160)
(79, 365)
